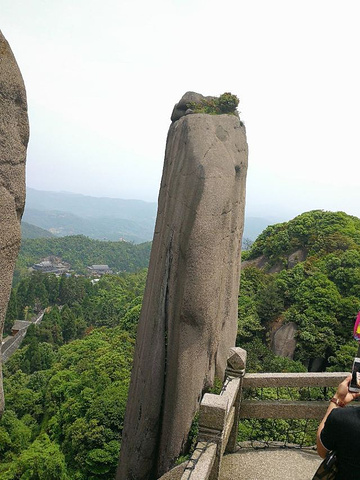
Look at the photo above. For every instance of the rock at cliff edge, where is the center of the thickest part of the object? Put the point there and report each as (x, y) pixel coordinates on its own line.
(14, 136)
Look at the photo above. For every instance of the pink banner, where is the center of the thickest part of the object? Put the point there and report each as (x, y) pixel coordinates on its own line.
(357, 328)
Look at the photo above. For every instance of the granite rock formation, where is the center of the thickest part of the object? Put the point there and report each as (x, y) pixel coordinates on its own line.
(283, 342)
(182, 107)
(189, 315)
(265, 264)
(14, 136)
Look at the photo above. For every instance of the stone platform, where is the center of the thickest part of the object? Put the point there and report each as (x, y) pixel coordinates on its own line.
(267, 464)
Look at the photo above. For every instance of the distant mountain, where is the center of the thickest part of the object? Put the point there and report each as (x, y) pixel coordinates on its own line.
(91, 207)
(62, 224)
(31, 231)
(112, 219)
(103, 218)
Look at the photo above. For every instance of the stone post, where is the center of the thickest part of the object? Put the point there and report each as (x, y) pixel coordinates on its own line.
(236, 368)
(212, 423)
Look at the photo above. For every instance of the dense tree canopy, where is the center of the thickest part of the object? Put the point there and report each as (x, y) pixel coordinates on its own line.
(64, 413)
(66, 387)
(318, 232)
(321, 294)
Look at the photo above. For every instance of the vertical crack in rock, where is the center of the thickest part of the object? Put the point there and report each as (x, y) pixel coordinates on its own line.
(166, 346)
(166, 309)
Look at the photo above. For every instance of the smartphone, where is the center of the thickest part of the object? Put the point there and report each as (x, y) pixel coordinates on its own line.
(355, 376)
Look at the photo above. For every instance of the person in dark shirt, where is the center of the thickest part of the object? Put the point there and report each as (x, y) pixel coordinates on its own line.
(339, 430)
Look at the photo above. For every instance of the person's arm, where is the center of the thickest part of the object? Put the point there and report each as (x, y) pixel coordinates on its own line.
(344, 397)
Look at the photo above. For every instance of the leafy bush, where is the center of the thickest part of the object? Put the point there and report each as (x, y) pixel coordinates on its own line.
(226, 103)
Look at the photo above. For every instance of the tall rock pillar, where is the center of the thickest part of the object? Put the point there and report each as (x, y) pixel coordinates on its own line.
(14, 136)
(188, 320)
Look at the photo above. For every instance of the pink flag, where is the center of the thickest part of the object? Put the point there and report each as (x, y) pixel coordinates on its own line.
(357, 328)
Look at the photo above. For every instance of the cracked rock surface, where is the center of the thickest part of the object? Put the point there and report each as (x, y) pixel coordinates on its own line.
(189, 315)
(14, 136)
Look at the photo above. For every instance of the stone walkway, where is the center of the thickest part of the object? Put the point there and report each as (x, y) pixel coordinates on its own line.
(268, 464)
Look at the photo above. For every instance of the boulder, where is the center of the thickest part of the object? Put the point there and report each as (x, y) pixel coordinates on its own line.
(182, 107)
(296, 257)
(188, 320)
(14, 136)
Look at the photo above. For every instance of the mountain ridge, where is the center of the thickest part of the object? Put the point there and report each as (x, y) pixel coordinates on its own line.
(29, 230)
(104, 218)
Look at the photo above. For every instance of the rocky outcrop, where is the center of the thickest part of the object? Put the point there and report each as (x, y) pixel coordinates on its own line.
(183, 106)
(283, 342)
(296, 257)
(14, 135)
(261, 262)
(288, 262)
(189, 313)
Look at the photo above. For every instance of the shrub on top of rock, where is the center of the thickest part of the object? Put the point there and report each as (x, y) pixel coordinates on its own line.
(226, 103)
(192, 102)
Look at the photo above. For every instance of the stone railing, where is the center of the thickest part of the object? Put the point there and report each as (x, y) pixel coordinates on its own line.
(219, 415)
(218, 422)
(313, 409)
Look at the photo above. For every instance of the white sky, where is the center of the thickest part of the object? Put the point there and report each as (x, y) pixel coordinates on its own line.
(102, 77)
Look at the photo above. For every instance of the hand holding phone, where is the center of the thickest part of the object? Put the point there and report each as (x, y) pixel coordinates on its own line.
(354, 385)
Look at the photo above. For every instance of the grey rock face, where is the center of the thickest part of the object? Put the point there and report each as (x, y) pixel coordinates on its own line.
(189, 315)
(181, 108)
(14, 136)
(296, 257)
(284, 342)
(264, 263)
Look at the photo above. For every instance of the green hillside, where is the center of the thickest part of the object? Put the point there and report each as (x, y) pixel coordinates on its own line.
(31, 231)
(81, 252)
(317, 232)
(66, 387)
(314, 261)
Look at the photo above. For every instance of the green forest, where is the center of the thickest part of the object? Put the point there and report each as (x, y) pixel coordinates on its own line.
(80, 252)
(66, 387)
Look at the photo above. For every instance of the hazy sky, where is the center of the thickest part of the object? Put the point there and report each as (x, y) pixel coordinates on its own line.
(102, 78)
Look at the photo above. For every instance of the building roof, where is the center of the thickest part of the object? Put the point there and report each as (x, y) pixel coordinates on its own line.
(100, 267)
(45, 263)
(20, 325)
